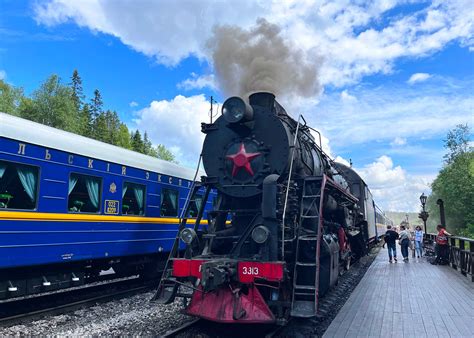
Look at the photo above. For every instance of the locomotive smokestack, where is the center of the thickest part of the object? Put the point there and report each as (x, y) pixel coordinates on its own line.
(262, 99)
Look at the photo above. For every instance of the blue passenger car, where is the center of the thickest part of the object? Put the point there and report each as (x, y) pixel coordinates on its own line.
(71, 206)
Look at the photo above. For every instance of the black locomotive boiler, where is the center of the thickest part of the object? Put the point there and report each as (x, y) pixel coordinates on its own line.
(285, 223)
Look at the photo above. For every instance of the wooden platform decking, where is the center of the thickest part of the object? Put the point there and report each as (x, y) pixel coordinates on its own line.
(414, 299)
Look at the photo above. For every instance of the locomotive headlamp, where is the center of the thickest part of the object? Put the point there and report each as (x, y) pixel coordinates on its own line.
(260, 234)
(187, 235)
(236, 110)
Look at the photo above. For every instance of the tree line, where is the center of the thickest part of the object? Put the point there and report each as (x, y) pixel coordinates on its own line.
(455, 185)
(66, 107)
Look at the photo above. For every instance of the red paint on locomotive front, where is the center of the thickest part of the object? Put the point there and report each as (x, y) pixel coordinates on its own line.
(225, 305)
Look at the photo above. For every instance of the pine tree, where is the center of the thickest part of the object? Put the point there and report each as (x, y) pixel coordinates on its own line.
(99, 130)
(112, 122)
(77, 93)
(137, 142)
(85, 116)
(96, 104)
(147, 145)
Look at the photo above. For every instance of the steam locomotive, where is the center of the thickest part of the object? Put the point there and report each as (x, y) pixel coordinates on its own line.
(286, 221)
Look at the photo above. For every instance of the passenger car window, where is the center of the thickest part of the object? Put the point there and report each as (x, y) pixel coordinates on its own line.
(194, 206)
(133, 199)
(84, 193)
(18, 186)
(169, 202)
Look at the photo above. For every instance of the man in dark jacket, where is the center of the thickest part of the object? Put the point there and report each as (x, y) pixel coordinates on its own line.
(390, 237)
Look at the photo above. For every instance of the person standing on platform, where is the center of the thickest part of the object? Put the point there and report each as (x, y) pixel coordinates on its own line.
(418, 241)
(404, 242)
(442, 248)
(390, 237)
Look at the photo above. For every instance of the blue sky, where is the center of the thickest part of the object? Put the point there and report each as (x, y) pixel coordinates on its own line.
(391, 77)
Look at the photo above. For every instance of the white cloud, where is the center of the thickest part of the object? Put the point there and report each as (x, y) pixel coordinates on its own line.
(3, 75)
(341, 31)
(418, 77)
(321, 141)
(393, 189)
(392, 114)
(133, 104)
(345, 96)
(177, 125)
(342, 160)
(166, 30)
(198, 82)
(398, 141)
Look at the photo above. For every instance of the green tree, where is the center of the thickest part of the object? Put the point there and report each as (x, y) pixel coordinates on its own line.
(457, 142)
(99, 128)
(86, 121)
(77, 93)
(10, 98)
(137, 142)
(455, 184)
(165, 154)
(147, 146)
(123, 137)
(96, 104)
(112, 122)
(52, 105)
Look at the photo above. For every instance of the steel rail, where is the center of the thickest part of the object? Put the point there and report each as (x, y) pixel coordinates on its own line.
(44, 301)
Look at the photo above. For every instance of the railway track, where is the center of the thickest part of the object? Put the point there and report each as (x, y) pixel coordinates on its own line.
(203, 328)
(17, 311)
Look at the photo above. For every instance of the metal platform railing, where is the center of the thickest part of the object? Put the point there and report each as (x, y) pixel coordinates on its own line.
(461, 254)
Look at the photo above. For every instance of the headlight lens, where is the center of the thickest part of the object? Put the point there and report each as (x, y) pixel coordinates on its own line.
(236, 110)
(187, 235)
(260, 234)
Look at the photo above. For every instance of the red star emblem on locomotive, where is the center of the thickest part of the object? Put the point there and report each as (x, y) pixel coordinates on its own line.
(242, 159)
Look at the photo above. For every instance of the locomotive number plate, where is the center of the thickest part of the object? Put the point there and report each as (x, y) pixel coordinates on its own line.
(250, 270)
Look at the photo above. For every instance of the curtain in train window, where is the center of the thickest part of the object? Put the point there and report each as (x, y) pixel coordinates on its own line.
(84, 193)
(169, 202)
(194, 206)
(3, 167)
(133, 199)
(18, 186)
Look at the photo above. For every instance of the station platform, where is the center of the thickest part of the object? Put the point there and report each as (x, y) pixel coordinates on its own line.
(414, 299)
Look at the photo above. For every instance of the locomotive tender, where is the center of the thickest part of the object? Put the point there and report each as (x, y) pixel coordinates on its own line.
(71, 206)
(286, 221)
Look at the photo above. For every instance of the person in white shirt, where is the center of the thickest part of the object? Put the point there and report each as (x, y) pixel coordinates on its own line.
(419, 241)
(404, 241)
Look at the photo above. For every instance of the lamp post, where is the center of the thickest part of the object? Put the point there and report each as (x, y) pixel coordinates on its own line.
(424, 214)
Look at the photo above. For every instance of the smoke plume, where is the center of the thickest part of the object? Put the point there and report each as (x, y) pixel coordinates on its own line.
(260, 59)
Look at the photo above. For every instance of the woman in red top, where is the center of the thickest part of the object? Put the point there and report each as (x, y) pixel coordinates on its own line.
(442, 248)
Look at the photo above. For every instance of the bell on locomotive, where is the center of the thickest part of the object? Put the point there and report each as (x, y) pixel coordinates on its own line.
(266, 251)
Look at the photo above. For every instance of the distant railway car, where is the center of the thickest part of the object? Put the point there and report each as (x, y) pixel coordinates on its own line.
(72, 206)
(381, 221)
(365, 202)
